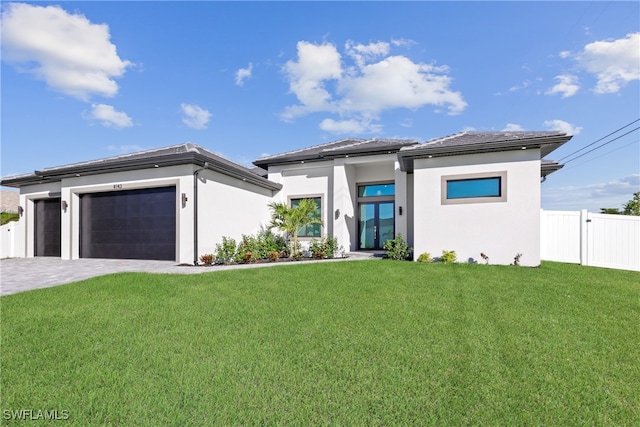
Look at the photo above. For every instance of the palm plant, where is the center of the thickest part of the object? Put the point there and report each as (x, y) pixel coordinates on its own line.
(290, 220)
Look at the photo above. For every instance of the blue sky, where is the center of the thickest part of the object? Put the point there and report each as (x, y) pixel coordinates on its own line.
(86, 80)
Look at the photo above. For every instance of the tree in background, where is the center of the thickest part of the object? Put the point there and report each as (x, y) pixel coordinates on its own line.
(632, 207)
(610, 211)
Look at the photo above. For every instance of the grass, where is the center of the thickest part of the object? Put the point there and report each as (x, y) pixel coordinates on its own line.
(346, 343)
(6, 217)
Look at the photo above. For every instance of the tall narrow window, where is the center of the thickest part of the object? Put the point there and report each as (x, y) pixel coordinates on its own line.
(311, 230)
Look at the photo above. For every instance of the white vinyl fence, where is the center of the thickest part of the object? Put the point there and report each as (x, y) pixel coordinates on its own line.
(599, 240)
(8, 237)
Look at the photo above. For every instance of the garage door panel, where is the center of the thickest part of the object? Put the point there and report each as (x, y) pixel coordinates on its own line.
(47, 227)
(130, 224)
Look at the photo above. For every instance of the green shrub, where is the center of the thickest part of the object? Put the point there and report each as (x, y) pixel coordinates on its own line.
(267, 242)
(398, 249)
(246, 249)
(324, 248)
(448, 257)
(424, 257)
(226, 251)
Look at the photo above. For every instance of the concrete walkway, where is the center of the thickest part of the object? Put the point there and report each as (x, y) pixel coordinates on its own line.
(24, 274)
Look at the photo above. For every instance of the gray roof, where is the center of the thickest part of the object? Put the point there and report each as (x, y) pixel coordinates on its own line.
(482, 142)
(341, 148)
(187, 153)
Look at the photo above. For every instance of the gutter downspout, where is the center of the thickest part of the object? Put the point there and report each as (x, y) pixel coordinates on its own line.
(195, 212)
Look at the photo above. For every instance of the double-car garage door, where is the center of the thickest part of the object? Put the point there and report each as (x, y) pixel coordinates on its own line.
(129, 224)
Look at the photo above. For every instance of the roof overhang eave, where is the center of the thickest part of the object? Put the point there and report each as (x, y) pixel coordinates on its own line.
(57, 174)
(546, 146)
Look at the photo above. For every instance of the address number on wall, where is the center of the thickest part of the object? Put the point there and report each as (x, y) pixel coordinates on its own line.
(117, 186)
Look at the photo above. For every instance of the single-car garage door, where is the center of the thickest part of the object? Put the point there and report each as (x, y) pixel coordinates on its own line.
(47, 227)
(129, 224)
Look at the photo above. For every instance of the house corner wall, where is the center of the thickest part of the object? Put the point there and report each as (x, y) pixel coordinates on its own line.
(501, 230)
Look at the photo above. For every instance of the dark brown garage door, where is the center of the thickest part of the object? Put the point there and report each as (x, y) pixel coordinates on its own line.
(130, 224)
(47, 227)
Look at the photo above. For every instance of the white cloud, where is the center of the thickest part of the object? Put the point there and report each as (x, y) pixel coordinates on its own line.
(398, 82)
(108, 116)
(511, 127)
(614, 62)
(403, 42)
(525, 84)
(565, 54)
(567, 86)
(365, 53)
(359, 91)
(242, 74)
(71, 54)
(195, 116)
(316, 63)
(349, 126)
(406, 123)
(563, 126)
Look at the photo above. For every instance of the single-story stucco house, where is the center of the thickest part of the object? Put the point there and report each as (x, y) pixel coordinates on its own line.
(471, 192)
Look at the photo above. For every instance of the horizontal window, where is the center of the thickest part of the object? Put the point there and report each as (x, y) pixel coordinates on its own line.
(474, 188)
(468, 188)
(376, 190)
(311, 230)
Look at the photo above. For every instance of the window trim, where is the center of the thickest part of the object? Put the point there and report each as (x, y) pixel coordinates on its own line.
(468, 200)
(290, 200)
(365, 184)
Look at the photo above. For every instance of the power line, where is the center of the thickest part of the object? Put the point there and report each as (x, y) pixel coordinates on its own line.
(594, 142)
(602, 155)
(602, 145)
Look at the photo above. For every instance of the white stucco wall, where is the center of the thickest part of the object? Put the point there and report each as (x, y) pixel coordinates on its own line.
(228, 207)
(307, 180)
(500, 229)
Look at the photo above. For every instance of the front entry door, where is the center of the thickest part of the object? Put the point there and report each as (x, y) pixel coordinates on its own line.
(377, 224)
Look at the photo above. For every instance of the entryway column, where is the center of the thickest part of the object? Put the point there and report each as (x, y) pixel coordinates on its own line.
(343, 214)
(401, 201)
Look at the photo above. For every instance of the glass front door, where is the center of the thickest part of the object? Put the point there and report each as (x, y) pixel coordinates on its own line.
(376, 224)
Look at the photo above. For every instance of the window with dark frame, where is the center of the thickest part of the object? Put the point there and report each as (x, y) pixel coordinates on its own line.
(311, 230)
(482, 187)
(476, 187)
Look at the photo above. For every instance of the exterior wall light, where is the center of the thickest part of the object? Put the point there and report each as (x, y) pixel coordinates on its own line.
(184, 199)
(64, 205)
(20, 210)
(399, 210)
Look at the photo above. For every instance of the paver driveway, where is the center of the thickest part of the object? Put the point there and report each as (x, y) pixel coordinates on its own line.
(23, 274)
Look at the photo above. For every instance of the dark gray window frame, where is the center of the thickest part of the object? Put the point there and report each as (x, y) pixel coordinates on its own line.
(470, 200)
(321, 196)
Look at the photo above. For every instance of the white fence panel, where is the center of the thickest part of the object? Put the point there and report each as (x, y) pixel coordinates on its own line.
(613, 241)
(560, 236)
(601, 240)
(8, 236)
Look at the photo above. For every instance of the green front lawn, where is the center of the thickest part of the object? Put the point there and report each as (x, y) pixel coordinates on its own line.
(340, 343)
